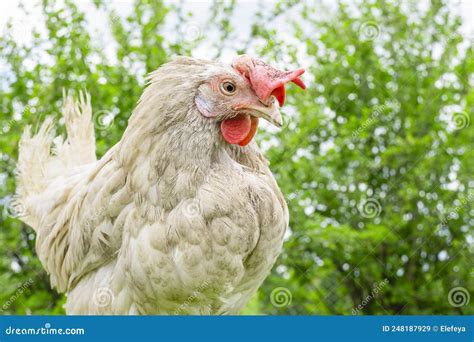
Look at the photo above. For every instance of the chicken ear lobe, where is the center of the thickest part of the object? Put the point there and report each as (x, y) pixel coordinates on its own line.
(203, 105)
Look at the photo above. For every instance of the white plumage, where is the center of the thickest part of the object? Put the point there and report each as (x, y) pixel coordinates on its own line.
(172, 219)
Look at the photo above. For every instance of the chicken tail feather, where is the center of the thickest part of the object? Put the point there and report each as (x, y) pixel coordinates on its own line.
(33, 158)
(43, 156)
(79, 147)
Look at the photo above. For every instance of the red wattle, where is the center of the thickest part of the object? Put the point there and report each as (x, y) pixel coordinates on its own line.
(251, 134)
(236, 129)
(240, 129)
(299, 82)
(279, 93)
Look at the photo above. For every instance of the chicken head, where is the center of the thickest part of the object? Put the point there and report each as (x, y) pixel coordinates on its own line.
(238, 97)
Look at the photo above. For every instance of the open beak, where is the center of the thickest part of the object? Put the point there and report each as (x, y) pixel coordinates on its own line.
(268, 84)
(271, 113)
(241, 128)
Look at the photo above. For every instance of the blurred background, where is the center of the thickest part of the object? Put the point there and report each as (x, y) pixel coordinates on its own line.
(375, 159)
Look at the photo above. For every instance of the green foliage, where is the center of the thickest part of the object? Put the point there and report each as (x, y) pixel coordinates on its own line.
(373, 159)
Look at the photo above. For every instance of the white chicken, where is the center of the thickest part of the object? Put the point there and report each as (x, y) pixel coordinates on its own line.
(182, 215)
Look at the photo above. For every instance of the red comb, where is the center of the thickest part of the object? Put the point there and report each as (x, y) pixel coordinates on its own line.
(266, 80)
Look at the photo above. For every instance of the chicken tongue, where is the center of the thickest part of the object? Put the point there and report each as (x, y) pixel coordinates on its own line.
(266, 80)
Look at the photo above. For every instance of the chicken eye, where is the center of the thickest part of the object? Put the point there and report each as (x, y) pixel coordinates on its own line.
(228, 88)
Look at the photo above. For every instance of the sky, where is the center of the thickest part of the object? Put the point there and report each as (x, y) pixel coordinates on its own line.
(196, 27)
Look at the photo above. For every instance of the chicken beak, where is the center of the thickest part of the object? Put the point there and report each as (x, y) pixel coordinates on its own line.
(270, 113)
(268, 84)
